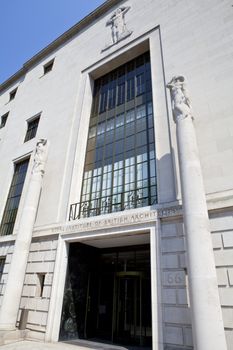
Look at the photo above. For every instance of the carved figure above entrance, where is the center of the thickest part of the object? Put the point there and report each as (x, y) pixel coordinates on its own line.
(118, 26)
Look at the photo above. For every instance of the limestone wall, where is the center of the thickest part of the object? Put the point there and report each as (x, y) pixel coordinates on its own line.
(175, 304)
(196, 38)
(176, 312)
(222, 233)
(41, 260)
(6, 251)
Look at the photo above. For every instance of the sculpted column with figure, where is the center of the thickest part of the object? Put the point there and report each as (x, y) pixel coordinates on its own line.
(207, 323)
(12, 295)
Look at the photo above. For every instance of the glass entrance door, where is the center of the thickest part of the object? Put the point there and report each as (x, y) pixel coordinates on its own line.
(108, 296)
(124, 308)
(128, 301)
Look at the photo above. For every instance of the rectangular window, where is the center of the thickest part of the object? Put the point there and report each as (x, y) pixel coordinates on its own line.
(120, 156)
(48, 67)
(12, 94)
(40, 285)
(2, 264)
(12, 204)
(130, 88)
(2, 282)
(140, 84)
(4, 120)
(103, 100)
(121, 94)
(32, 128)
(112, 97)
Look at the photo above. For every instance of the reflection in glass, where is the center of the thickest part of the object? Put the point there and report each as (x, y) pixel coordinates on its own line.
(12, 204)
(121, 135)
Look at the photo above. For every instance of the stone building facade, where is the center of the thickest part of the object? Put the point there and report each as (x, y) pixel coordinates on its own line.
(116, 221)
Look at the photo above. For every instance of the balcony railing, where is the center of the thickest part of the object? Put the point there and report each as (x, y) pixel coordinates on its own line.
(111, 204)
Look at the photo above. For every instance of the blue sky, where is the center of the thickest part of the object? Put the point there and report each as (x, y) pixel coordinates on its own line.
(27, 26)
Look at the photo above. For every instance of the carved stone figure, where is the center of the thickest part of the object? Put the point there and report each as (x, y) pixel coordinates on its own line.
(40, 157)
(181, 105)
(118, 26)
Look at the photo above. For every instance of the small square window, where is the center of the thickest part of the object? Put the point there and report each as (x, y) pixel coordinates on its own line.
(3, 120)
(12, 94)
(32, 128)
(48, 67)
(40, 285)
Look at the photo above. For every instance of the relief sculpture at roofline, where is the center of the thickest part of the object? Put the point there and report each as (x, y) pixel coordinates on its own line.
(118, 26)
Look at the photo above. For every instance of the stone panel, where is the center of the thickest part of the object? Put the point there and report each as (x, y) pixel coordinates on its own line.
(188, 338)
(182, 297)
(227, 239)
(169, 230)
(228, 317)
(223, 258)
(169, 296)
(226, 296)
(6, 250)
(173, 279)
(172, 245)
(217, 240)
(177, 315)
(229, 337)
(223, 245)
(41, 260)
(230, 275)
(221, 222)
(170, 261)
(183, 261)
(222, 277)
(173, 335)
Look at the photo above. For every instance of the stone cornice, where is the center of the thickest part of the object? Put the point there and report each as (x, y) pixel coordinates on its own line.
(70, 33)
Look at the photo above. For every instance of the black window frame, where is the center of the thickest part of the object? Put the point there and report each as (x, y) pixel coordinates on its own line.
(112, 142)
(4, 118)
(48, 67)
(2, 266)
(32, 126)
(12, 94)
(13, 198)
(41, 276)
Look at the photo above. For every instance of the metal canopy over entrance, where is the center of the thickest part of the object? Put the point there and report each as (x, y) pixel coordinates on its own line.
(108, 295)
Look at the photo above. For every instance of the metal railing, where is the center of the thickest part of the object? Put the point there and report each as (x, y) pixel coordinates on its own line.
(110, 204)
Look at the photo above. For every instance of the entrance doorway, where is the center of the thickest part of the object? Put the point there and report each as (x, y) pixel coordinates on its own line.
(108, 295)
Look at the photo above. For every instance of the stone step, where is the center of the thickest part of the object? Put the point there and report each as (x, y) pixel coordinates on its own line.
(94, 345)
(7, 337)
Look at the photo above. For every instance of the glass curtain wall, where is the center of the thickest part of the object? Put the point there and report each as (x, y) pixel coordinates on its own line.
(120, 170)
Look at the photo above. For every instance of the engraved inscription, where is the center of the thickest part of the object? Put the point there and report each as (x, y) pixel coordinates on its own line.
(174, 278)
(105, 223)
(173, 211)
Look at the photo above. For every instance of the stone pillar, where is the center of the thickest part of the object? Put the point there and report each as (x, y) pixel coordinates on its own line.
(207, 323)
(12, 295)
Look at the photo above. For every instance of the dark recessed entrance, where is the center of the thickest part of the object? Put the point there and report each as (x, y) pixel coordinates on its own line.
(108, 295)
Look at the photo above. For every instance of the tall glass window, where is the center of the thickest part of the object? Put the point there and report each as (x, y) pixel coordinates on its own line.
(119, 171)
(12, 204)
